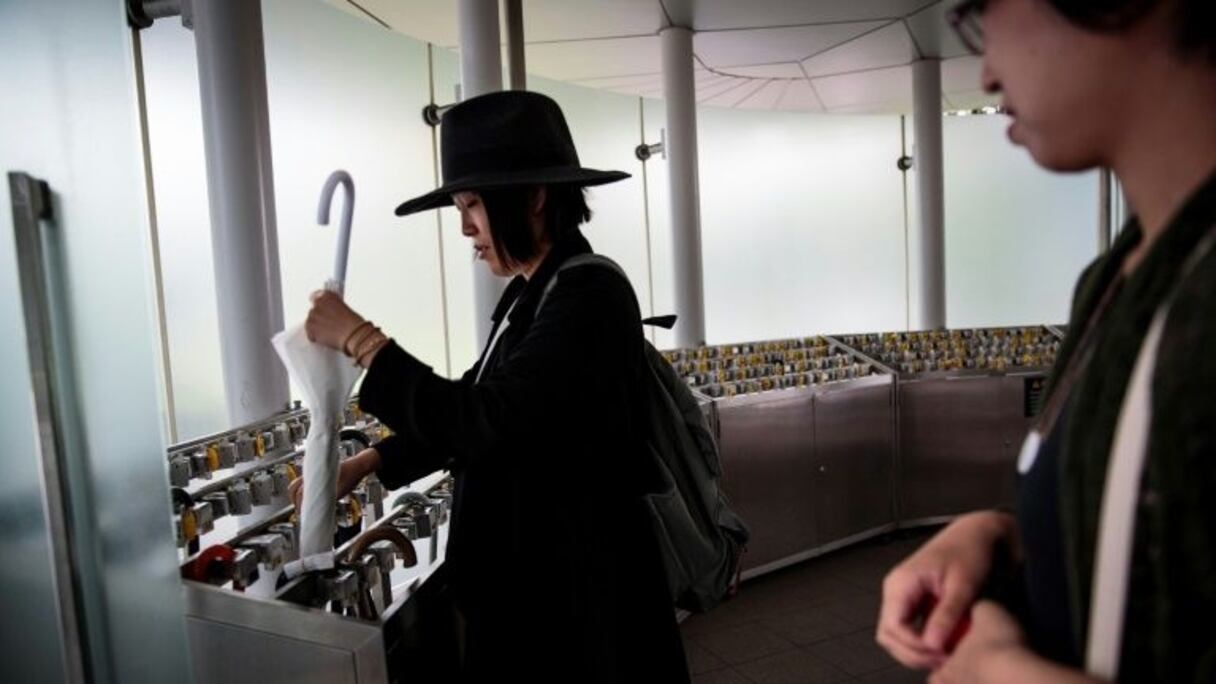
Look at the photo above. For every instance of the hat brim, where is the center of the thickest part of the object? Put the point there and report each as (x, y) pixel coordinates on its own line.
(442, 196)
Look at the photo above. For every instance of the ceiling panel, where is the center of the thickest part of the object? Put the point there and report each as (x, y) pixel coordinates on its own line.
(734, 96)
(780, 70)
(593, 58)
(430, 20)
(800, 97)
(885, 47)
(883, 85)
(549, 20)
(708, 81)
(733, 14)
(893, 107)
(766, 46)
(767, 97)
(973, 99)
(933, 33)
(961, 74)
(729, 89)
(613, 82)
(611, 44)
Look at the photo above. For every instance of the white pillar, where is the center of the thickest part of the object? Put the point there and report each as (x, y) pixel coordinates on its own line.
(240, 186)
(679, 91)
(481, 73)
(927, 160)
(513, 11)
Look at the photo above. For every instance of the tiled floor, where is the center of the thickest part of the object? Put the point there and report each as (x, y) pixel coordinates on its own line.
(808, 624)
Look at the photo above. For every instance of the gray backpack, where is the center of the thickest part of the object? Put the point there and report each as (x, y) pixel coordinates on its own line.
(701, 539)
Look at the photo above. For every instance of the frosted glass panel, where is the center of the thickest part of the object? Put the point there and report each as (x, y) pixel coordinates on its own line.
(70, 119)
(458, 261)
(606, 128)
(802, 223)
(347, 94)
(175, 133)
(1017, 236)
(343, 93)
(658, 216)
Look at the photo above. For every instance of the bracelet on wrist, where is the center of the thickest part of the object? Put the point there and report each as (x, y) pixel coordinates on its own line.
(356, 337)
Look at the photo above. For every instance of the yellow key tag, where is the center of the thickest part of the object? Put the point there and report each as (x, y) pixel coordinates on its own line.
(259, 446)
(213, 457)
(291, 472)
(189, 524)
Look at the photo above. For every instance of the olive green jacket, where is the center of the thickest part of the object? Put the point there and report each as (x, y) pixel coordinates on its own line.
(1170, 626)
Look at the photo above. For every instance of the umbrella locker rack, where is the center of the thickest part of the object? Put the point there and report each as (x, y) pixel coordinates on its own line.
(236, 529)
(827, 441)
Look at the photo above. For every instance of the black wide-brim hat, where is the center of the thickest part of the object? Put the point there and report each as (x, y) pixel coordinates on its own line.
(512, 137)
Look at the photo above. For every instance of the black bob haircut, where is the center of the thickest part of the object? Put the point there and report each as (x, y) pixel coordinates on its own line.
(507, 210)
(1194, 21)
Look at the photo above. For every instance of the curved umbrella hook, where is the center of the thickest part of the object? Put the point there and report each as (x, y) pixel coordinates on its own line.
(338, 282)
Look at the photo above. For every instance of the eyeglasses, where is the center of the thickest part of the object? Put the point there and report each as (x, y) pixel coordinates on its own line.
(965, 19)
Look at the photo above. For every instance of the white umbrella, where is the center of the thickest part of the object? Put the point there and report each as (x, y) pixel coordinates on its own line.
(325, 377)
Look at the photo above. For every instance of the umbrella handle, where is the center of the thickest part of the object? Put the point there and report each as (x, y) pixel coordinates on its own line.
(338, 282)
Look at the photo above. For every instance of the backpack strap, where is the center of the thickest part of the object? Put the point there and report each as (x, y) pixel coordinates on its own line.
(575, 262)
(666, 322)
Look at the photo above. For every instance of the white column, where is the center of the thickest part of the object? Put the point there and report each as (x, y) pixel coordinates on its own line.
(513, 12)
(679, 91)
(240, 186)
(927, 161)
(480, 73)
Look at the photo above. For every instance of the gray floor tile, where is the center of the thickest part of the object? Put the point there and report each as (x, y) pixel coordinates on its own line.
(856, 653)
(726, 676)
(742, 644)
(701, 660)
(793, 667)
(860, 609)
(896, 675)
(805, 627)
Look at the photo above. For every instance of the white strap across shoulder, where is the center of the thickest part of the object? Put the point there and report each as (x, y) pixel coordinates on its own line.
(1112, 562)
(1117, 524)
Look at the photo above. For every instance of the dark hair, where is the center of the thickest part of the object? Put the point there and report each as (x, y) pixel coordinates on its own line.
(507, 210)
(1194, 20)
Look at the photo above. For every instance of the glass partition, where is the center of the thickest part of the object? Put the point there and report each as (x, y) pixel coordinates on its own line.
(1017, 237)
(343, 93)
(70, 118)
(802, 222)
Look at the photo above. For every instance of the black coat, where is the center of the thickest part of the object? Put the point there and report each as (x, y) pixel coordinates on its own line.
(551, 557)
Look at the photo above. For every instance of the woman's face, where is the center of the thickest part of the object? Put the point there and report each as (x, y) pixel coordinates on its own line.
(475, 225)
(1063, 86)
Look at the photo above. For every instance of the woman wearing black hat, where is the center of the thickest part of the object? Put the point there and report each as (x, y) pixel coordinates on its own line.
(552, 561)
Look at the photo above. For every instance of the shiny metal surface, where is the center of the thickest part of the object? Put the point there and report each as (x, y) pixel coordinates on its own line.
(242, 639)
(854, 457)
(758, 570)
(959, 439)
(767, 446)
(31, 205)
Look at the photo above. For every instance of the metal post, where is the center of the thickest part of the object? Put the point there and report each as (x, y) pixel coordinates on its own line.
(513, 11)
(240, 186)
(480, 73)
(679, 91)
(1105, 227)
(927, 114)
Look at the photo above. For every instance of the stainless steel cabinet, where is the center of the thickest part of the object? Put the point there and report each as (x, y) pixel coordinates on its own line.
(767, 448)
(854, 459)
